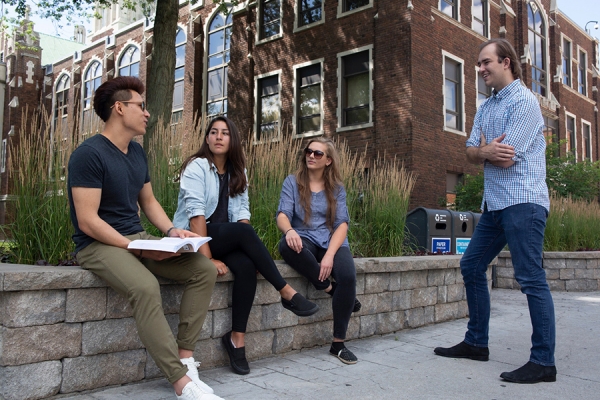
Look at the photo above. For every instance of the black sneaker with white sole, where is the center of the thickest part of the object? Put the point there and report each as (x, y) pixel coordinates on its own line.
(344, 355)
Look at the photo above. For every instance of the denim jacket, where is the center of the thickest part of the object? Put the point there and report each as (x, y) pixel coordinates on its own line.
(199, 195)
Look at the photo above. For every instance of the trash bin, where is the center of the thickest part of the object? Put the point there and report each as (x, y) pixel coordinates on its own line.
(462, 230)
(430, 230)
(476, 218)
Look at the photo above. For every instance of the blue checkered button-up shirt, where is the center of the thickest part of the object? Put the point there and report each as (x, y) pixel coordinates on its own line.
(514, 110)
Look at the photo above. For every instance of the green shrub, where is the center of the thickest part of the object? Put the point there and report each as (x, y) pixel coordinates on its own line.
(469, 193)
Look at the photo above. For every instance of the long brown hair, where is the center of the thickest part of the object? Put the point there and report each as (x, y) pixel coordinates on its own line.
(236, 159)
(332, 180)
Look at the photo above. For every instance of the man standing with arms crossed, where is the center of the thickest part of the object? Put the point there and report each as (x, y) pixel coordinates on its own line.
(507, 137)
(108, 179)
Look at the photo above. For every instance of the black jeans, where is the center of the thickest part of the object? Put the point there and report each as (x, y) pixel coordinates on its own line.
(344, 273)
(240, 248)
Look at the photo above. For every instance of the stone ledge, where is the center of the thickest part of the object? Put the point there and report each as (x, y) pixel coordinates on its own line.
(79, 324)
(18, 277)
(577, 271)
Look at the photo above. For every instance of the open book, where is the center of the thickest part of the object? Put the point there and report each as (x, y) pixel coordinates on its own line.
(170, 244)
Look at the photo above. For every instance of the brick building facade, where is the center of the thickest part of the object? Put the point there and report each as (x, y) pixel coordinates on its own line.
(396, 76)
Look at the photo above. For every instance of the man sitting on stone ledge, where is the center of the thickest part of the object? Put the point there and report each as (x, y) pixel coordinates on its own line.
(108, 178)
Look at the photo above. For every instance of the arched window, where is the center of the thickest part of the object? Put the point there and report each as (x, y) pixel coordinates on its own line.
(92, 80)
(61, 105)
(219, 35)
(537, 48)
(180, 41)
(129, 64)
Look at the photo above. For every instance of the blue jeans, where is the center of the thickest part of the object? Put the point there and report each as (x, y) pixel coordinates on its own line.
(522, 227)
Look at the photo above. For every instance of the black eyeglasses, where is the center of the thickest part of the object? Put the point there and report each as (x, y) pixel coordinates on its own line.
(142, 104)
(318, 154)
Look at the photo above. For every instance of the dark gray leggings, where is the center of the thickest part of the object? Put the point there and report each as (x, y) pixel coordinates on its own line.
(344, 273)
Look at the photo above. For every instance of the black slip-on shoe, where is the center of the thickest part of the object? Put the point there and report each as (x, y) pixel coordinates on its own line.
(464, 350)
(344, 355)
(357, 304)
(300, 306)
(531, 373)
(237, 356)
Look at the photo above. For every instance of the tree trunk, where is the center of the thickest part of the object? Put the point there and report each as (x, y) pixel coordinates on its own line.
(161, 78)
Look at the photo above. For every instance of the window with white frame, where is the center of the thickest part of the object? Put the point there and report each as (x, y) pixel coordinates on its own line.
(450, 8)
(571, 135)
(308, 12)
(586, 141)
(355, 87)
(483, 91)
(480, 17)
(453, 94)
(219, 40)
(129, 63)
(537, 48)
(268, 107)
(582, 73)
(352, 5)
(61, 104)
(270, 19)
(180, 41)
(308, 99)
(92, 80)
(566, 62)
(3, 156)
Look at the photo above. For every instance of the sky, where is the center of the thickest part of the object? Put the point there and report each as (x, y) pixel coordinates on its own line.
(580, 11)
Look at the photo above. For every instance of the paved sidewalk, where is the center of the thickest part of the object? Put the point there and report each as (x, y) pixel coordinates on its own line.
(403, 366)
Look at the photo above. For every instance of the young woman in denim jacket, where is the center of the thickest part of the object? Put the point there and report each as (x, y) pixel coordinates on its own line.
(213, 201)
(313, 218)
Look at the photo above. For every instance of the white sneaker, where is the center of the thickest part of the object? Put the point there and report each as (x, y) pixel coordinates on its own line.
(193, 374)
(192, 392)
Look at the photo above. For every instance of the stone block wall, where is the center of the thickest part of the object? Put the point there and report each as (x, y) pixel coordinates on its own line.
(565, 271)
(67, 329)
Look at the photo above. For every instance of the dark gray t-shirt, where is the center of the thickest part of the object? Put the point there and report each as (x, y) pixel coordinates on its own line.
(98, 163)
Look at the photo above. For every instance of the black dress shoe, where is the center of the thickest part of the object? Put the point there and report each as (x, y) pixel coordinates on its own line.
(531, 373)
(300, 306)
(357, 304)
(464, 350)
(237, 356)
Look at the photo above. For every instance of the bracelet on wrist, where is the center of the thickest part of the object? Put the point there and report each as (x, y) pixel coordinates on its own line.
(169, 231)
(140, 255)
(286, 232)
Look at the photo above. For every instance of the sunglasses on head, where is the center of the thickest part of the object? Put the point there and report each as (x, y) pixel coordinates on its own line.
(318, 154)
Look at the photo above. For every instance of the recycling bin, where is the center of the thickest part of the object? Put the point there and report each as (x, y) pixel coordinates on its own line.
(462, 230)
(430, 230)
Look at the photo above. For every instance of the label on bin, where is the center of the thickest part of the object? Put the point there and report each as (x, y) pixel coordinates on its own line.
(462, 244)
(440, 245)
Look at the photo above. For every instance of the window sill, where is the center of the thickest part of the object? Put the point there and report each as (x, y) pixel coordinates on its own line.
(354, 127)
(269, 39)
(455, 131)
(307, 134)
(306, 27)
